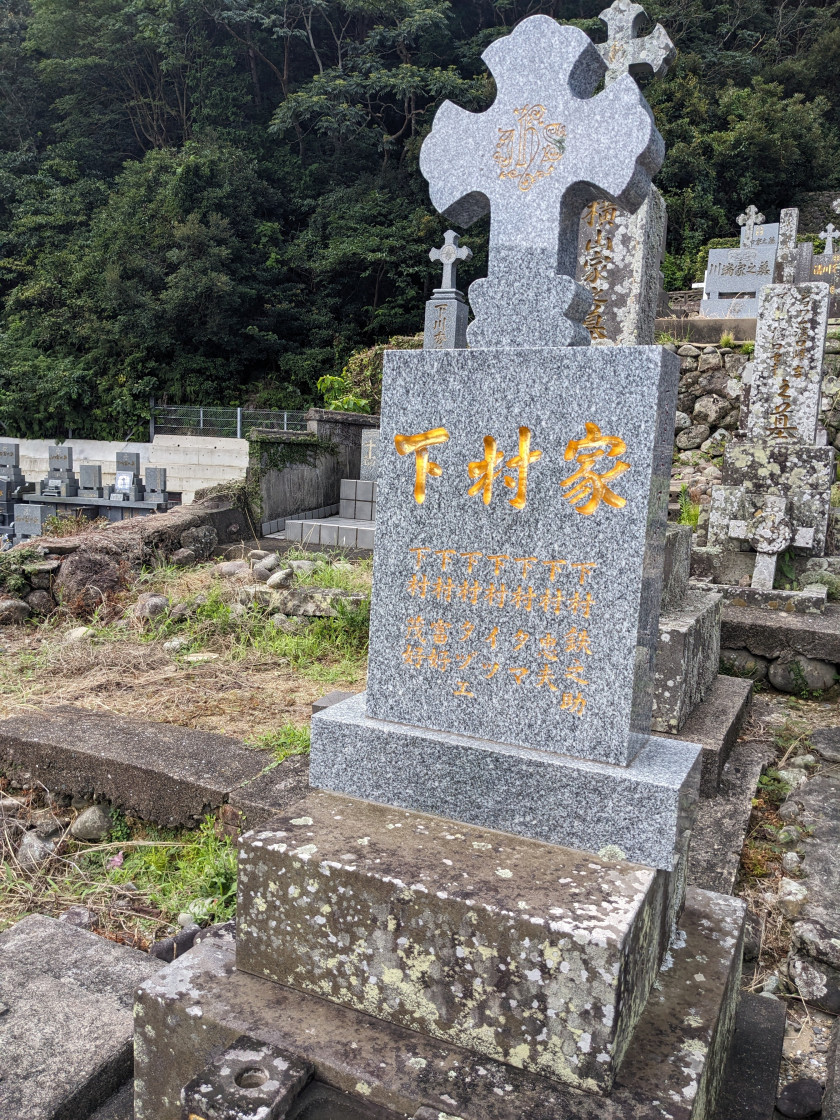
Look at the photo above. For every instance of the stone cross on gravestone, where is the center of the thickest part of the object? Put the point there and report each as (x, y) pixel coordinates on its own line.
(449, 254)
(835, 206)
(534, 165)
(749, 221)
(828, 235)
(625, 51)
(445, 327)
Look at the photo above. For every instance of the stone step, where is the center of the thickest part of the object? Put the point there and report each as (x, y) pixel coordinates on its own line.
(715, 724)
(171, 775)
(66, 1023)
(769, 634)
(204, 1004)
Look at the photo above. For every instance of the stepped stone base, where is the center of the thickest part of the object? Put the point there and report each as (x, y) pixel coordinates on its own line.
(673, 1067)
(715, 723)
(529, 953)
(644, 809)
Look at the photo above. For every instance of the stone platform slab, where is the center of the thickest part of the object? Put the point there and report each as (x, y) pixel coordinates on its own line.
(687, 657)
(160, 772)
(643, 809)
(65, 1019)
(331, 532)
(528, 953)
(673, 1067)
(770, 635)
(715, 724)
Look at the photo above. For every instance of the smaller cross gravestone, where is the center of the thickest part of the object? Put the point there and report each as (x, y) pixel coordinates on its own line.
(828, 235)
(369, 468)
(533, 165)
(446, 313)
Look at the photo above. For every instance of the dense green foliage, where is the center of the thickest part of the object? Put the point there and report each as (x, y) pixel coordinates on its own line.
(217, 201)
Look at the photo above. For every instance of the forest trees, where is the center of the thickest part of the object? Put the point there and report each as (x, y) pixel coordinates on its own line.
(217, 201)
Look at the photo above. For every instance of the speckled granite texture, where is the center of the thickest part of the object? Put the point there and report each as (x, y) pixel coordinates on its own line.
(523, 611)
(534, 955)
(645, 809)
(542, 150)
(200, 1004)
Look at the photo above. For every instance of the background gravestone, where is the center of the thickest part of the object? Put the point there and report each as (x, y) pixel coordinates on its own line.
(369, 468)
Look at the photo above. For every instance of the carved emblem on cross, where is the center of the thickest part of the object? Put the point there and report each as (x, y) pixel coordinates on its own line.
(628, 52)
(544, 120)
(749, 221)
(828, 235)
(450, 252)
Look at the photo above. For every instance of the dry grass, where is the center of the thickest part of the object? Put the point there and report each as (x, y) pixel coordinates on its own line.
(257, 679)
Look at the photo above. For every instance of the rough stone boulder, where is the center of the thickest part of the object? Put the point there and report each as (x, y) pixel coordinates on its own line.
(314, 602)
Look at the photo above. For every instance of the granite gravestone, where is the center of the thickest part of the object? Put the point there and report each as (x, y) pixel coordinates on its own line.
(127, 485)
(825, 267)
(734, 277)
(521, 520)
(90, 480)
(369, 467)
(156, 484)
(60, 481)
(626, 50)
(446, 312)
(30, 518)
(534, 164)
(776, 482)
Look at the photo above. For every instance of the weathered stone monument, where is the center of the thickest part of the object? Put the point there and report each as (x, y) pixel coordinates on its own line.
(620, 254)
(471, 916)
(777, 477)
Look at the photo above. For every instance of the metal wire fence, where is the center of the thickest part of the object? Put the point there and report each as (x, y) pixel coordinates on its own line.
(194, 420)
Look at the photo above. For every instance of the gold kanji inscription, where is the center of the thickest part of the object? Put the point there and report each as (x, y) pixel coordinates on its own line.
(520, 464)
(485, 470)
(588, 487)
(423, 466)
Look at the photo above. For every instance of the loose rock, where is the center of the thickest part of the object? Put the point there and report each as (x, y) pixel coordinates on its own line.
(150, 605)
(79, 916)
(742, 663)
(40, 602)
(183, 557)
(800, 1099)
(303, 567)
(256, 593)
(794, 673)
(258, 554)
(803, 761)
(692, 437)
(311, 602)
(175, 645)
(791, 897)
(791, 862)
(201, 540)
(826, 743)
(13, 611)
(79, 634)
(93, 824)
(270, 563)
(34, 850)
(793, 778)
(232, 568)
(283, 578)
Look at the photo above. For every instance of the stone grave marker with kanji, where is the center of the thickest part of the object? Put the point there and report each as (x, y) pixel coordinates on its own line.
(522, 503)
(776, 480)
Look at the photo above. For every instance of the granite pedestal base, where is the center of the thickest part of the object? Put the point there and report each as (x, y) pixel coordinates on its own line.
(687, 657)
(644, 809)
(531, 954)
(673, 1067)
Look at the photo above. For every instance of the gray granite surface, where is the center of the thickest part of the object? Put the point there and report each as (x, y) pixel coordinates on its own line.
(687, 657)
(734, 278)
(645, 810)
(626, 50)
(524, 612)
(533, 159)
(445, 325)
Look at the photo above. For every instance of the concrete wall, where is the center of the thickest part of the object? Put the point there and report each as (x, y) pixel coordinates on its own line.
(300, 487)
(191, 462)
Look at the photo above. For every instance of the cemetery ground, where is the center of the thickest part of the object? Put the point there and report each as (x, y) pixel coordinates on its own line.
(207, 661)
